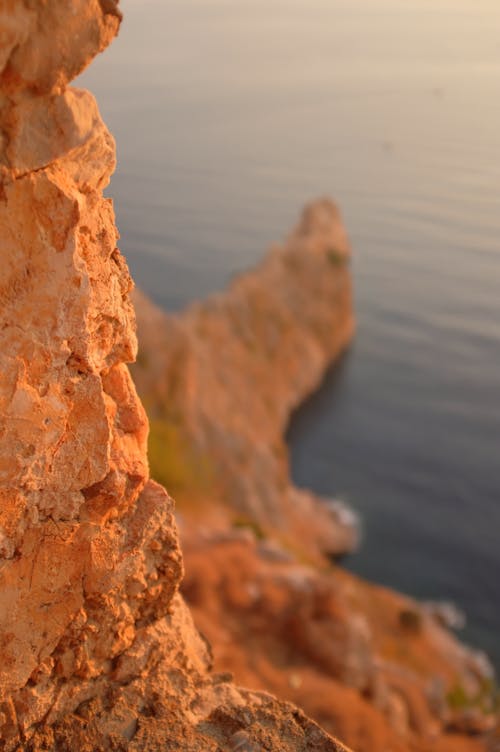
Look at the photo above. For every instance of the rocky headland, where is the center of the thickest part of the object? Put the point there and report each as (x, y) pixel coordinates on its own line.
(98, 649)
(220, 382)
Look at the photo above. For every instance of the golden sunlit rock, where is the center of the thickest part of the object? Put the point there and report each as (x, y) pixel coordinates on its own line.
(97, 649)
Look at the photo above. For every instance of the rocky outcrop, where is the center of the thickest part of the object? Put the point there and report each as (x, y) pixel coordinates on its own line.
(224, 376)
(97, 648)
(220, 380)
(373, 667)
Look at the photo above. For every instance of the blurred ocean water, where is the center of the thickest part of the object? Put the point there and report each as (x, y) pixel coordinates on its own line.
(228, 117)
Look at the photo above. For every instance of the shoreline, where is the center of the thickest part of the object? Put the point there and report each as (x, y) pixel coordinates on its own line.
(385, 645)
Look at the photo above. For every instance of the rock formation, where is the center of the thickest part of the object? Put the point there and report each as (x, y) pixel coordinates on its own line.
(97, 649)
(224, 377)
(220, 380)
(369, 665)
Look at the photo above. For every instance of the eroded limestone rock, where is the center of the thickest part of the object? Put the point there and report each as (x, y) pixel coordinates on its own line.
(97, 649)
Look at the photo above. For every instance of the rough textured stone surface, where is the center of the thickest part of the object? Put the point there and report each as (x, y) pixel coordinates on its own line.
(97, 649)
(38, 51)
(73, 439)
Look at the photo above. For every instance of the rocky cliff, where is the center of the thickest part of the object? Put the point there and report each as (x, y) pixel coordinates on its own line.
(220, 381)
(97, 648)
(223, 379)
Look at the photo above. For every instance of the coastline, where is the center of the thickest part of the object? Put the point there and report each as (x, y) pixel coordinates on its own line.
(112, 636)
(414, 681)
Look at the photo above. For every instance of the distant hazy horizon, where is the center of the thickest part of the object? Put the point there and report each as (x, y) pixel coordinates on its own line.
(228, 117)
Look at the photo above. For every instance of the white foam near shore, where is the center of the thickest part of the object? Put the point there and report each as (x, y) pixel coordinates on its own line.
(447, 613)
(346, 517)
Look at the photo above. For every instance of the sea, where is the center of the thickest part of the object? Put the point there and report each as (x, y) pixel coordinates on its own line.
(228, 117)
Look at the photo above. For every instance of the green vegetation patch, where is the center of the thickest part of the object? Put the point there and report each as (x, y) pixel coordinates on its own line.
(487, 699)
(176, 464)
(244, 523)
(335, 257)
(457, 698)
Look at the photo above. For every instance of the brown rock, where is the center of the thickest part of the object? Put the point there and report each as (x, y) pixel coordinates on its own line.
(330, 643)
(38, 50)
(227, 373)
(97, 649)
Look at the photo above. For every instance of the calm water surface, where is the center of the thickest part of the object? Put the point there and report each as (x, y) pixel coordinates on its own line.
(228, 116)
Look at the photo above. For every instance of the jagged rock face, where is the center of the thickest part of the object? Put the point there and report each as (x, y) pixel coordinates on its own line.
(38, 52)
(97, 649)
(80, 550)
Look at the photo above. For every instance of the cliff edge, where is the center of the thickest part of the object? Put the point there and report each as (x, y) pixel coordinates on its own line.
(224, 377)
(220, 380)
